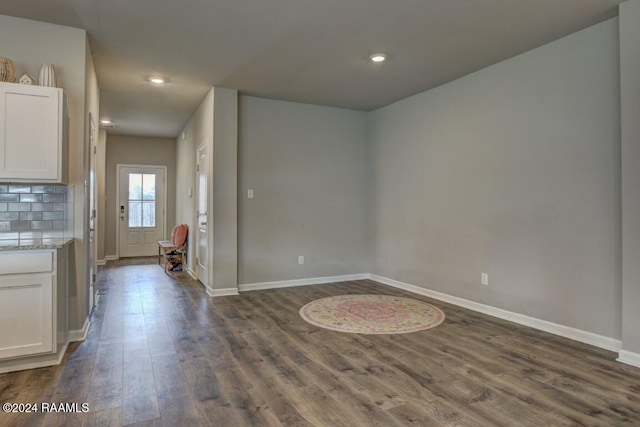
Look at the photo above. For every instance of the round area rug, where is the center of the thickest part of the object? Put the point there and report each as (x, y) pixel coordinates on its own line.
(372, 314)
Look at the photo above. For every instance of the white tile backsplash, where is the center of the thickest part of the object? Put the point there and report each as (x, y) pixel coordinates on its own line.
(36, 211)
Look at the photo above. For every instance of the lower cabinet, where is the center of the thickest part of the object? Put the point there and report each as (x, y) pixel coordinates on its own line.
(26, 305)
(33, 308)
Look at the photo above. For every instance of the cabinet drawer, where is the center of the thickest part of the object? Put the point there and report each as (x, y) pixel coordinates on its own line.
(26, 262)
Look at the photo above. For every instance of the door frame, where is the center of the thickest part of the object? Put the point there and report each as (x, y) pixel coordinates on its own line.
(93, 213)
(119, 166)
(197, 258)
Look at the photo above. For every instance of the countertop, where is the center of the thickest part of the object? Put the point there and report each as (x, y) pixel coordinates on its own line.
(31, 244)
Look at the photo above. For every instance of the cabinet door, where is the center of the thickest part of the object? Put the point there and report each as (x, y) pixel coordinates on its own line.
(26, 315)
(30, 132)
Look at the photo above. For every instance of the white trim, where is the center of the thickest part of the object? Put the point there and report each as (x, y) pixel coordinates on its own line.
(101, 261)
(34, 365)
(301, 282)
(80, 334)
(196, 220)
(629, 357)
(120, 166)
(110, 257)
(192, 274)
(543, 325)
(91, 215)
(222, 292)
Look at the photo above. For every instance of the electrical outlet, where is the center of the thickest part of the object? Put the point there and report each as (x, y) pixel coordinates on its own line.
(249, 194)
(5, 226)
(300, 260)
(484, 279)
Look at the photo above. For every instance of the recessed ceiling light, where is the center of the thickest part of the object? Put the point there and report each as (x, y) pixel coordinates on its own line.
(106, 122)
(156, 80)
(378, 57)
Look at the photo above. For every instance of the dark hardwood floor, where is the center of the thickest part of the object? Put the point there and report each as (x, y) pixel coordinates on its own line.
(161, 352)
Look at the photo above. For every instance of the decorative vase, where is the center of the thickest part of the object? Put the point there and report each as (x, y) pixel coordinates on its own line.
(7, 70)
(48, 75)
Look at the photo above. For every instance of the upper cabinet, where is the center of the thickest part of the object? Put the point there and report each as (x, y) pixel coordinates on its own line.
(33, 134)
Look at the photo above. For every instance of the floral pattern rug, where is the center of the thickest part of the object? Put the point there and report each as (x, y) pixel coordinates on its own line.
(372, 314)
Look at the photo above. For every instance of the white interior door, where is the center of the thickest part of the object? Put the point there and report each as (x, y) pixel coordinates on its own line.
(201, 214)
(93, 189)
(141, 209)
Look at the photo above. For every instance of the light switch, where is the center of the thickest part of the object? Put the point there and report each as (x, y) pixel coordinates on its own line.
(250, 194)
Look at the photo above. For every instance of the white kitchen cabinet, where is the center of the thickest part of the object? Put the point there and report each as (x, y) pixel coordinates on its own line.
(33, 308)
(26, 306)
(33, 134)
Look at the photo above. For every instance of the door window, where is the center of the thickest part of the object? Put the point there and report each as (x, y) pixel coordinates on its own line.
(142, 200)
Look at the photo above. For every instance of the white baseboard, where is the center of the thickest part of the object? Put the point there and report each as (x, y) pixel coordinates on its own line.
(192, 274)
(543, 325)
(101, 262)
(629, 357)
(80, 334)
(301, 282)
(110, 257)
(221, 292)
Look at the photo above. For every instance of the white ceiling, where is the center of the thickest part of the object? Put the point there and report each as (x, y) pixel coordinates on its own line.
(312, 51)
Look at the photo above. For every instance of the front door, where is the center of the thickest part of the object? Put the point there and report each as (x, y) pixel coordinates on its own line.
(141, 216)
(201, 214)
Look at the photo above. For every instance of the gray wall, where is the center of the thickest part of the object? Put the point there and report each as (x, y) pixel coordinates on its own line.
(307, 166)
(214, 124)
(223, 258)
(198, 131)
(514, 171)
(630, 102)
(136, 150)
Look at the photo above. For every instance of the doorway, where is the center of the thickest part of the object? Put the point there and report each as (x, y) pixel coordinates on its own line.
(201, 214)
(93, 208)
(141, 209)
